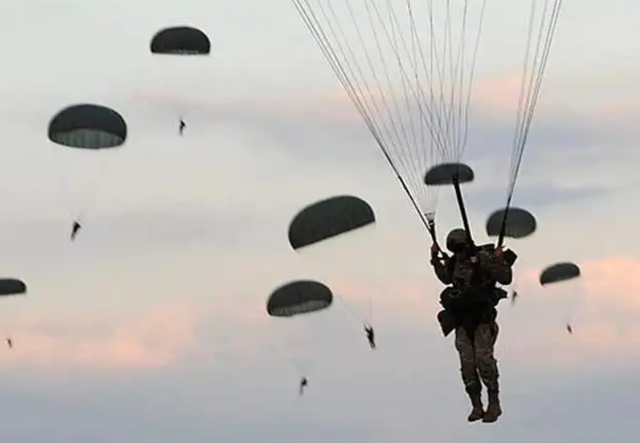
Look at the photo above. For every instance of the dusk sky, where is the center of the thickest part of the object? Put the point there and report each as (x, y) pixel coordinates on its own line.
(152, 328)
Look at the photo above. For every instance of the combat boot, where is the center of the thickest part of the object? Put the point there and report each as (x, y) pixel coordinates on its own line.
(493, 410)
(478, 412)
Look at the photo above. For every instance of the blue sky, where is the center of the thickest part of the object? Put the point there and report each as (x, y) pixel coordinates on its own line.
(151, 327)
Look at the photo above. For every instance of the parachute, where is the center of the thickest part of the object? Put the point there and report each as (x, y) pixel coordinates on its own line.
(299, 297)
(511, 222)
(448, 174)
(88, 126)
(295, 305)
(12, 286)
(335, 217)
(180, 40)
(86, 131)
(408, 67)
(559, 272)
(329, 218)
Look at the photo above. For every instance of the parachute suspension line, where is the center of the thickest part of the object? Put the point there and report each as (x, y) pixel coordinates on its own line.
(64, 186)
(430, 107)
(452, 136)
(88, 198)
(417, 55)
(472, 71)
(349, 309)
(533, 75)
(96, 187)
(457, 117)
(300, 366)
(447, 65)
(355, 93)
(463, 209)
(361, 101)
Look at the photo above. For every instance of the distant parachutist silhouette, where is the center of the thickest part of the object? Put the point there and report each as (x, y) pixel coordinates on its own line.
(75, 229)
(371, 335)
(303, 384)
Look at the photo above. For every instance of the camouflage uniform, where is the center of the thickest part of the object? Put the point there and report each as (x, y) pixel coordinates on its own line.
(471, 299)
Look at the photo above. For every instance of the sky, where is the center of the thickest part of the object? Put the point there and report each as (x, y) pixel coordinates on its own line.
(151, 327)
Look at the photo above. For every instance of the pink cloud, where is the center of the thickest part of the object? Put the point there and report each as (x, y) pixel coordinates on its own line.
(606, 303)
(152, 339)
(498, 95)
(612, 281)
(157, 337)
(605, 307)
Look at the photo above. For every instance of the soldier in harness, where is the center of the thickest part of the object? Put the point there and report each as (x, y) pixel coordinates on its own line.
(371, 335)
(469, 303)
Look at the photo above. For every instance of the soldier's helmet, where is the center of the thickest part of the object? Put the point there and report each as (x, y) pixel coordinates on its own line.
(457, 240)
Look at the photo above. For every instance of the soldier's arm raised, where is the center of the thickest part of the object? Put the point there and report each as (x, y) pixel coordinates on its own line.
(497, 268)
(443, 270)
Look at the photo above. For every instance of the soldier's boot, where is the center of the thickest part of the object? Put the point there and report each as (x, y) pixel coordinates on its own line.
(477, 413)
(493, 409)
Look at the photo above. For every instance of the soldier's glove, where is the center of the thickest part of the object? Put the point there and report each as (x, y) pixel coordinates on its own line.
(435, 261)
(510, 257)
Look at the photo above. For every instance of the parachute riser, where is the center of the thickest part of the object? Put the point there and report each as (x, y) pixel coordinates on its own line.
(462, 207)
(503, 227)
(503, 230)
(428, 223)
(431, 227)
(446, 174)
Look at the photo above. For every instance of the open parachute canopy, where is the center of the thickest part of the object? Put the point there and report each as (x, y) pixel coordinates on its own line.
(88, 126)
(511, 223)
(180, 40)
(12, 286)
(299, 297)
(448, 174)
(559, 272)
(329, 218)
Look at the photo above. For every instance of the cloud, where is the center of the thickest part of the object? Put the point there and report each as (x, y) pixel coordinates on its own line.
(152, 339)
(327, 132)
(601, 306)
(498, 96)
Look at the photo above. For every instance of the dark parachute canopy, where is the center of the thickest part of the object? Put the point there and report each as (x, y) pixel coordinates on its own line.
(299, 297)
(12, 286)
(511, 223)
(559, 272)
(88, 126)
(448, 174)
(180, 40)
(329, 218)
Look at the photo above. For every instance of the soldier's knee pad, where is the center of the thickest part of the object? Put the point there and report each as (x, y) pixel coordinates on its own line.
(473, 388)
